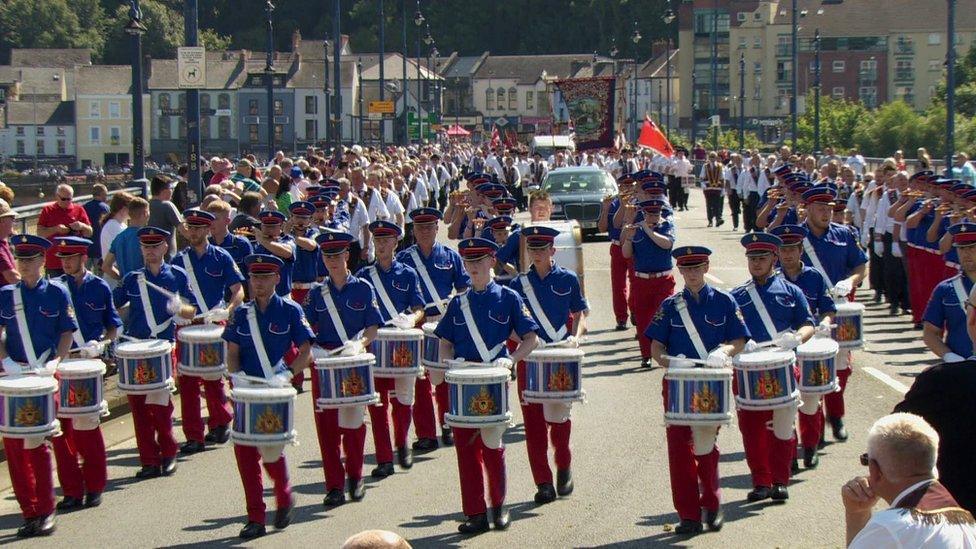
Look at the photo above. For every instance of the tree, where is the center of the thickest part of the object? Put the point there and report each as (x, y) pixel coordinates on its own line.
(729, 139)
(51, 24)
(838, 121)
(164, 34)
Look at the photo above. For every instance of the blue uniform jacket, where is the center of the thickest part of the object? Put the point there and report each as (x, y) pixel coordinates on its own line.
(784, 301)
(47, 314)
(558, 293)
(497, 312)
(401, 284)
(355, 305)
(715, 314)
(282, 325)
(94, 309)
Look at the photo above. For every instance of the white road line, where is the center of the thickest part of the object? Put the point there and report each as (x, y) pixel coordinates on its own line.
(714, 279)
(886, 379)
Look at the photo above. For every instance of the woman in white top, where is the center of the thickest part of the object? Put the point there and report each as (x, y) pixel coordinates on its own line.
(114, 222)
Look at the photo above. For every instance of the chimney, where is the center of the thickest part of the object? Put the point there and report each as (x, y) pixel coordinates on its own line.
(296, 38)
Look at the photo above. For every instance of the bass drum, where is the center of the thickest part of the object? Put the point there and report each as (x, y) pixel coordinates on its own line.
(569, 247)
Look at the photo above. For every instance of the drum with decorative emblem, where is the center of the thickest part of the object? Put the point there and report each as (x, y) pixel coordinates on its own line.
(82, 388)
(202, 351)
(698, 396)
(263, 416)
(398, 352)
(554, 375)
(817, 361)
(847, 330)
(145, 366)
(431, 359)
(478, 395)
(764, 380)
(346, 381)
(27, 407)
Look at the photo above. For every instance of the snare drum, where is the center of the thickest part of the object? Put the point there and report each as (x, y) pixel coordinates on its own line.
(27, 406)
(698, 396)
(145, 366)
(398, 352)
(848, 320)
(554, 375)
(478, 395)
(764, 380)
(817, 360)
(346, 381)
(81, 388)
(436, 368)
(263, 416)
(202, 351)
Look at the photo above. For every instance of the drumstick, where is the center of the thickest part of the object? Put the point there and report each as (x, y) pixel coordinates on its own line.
(164, 291)
(694, 360)
(246, 377)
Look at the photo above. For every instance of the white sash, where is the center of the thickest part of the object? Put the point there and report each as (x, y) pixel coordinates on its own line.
(75, 335)
(812, 254)
(540, 313)
(690, 328)
(487, 355)
(761, 309)
(428, 283)
(25, 337)
(334, 313)
(960, 292)
(194, 285)
(154, 328)
(374, 275)
(258, 339)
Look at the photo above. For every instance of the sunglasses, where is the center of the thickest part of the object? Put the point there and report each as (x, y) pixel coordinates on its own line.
(64, 198)
(865, 459)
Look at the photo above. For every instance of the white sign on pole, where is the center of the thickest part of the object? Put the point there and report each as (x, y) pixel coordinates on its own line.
(191, 66)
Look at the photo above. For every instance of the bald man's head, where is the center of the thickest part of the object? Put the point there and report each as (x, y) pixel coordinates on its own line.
(376, 539)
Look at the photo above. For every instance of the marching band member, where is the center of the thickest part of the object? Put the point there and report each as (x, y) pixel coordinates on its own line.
(713, 187)
(440, 270)
(271, 240)
(833, 250)
(774, 310)
(945, 314)
(258, 335)
(621, 268)
(507, 239)
(400, 304)
(31, 340)
(649, 244)
(98, 320)
(556, 302)
(152, 316)
(817, 290)
(211, 274)
(238, 246)
(704, 323)
(308, 261)
(343, 312)
(475, 328)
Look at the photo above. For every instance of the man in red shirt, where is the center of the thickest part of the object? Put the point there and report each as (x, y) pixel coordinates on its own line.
(61, 218)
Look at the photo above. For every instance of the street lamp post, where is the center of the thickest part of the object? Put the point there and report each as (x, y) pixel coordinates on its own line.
(635, 37)
(269, 79)
(328, 91)
(190, 30)
(742, 100)
(713, 96)
(668, 18)
(794, 62)
(382, 72)
(359, 95)
(435, 100)
(694, 108)
(135, 29)
(403, 73)
(418, 20)
(950, 84)
(816, 93)
(336, 68)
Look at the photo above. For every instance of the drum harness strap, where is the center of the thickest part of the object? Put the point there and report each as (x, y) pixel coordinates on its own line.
(25, 337)
(428, 283)
(334, 313)
(693, 335)
(194, 285)
(487, 355)
(961, 293)
(374, 276)
(540, 313)
(761, 309)
(75, 335)
(812, 254)
(258, 339)
(154, 328)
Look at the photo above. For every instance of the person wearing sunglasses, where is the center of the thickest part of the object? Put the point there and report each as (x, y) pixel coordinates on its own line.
(62, 218)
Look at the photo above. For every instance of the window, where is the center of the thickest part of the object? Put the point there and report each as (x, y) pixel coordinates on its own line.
(252, 107)
(838, 66)
(311, 128)
(21, 147)
(741, 16)
(500, 94)
(869, 65)
(311, 104)
(181, 100)
(59, 131)
(114, 109)
(20, 130)
(39, 130)
(204, 127)
(757, 15)
(813, 66)
(757, 92)
(512, 99)
(115, 135)
(95, 135)
(743, 42)
(39, 150)
(94, 110)
(62, 147)
(252, 133)
(204, 102)
(279, 107)
(279, 132)
(489, 99)
(223, 127)
(530, 101)
(868, 96)
(935, 38)
(838, 92)
(935, 65)
(223, 101)
(165, 129)
(164, 101)
(757, 42)
(181, 127)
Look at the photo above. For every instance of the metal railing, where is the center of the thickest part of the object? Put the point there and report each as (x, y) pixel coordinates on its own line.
(27, 215)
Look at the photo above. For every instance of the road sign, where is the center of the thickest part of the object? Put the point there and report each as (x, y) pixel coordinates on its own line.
(381, 107)
(191, 66)
(501, 121)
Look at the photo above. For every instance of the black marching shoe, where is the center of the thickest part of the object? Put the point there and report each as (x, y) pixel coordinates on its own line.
(688, 527)
(70, 504)
(168, 467)
(621, 326)
(837, 424)
(810, 458)
(148, 471)
(93, 499)
(28, 529)
(45, 526)
(283, 516)
(191, 447)
(780, 493)
(475, 524)
(447, 435)
(252, 530)
(405, 457)
(823, 441)
(500, 517)
(564, 482)
(720, 222)
(647, 363)
(758, 493)
(795, 467)
(218, 435)
(545, 494)
(709, 224)
(382, 470)
(334, 498)
(714, 519)
(425, 445)
(356, 488)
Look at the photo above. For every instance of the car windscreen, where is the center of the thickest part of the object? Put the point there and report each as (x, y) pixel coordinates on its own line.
(557, 183)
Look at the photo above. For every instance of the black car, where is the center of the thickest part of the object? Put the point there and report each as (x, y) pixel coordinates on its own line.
(578, 193)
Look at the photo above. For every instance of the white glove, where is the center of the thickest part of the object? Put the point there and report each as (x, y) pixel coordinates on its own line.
(11, 366)
(952, 357)
(717, 359)
(571, 342)
(402, 321)
(823, 329)
(788, 341)
(541, 343)
(49, 368)
(353, 347)
(174, 305)
(217, 314)
(180, 321)
(751, 346)
(91, 349)
(843, 287)
(680, 361)
(282, 379)
(503, 363)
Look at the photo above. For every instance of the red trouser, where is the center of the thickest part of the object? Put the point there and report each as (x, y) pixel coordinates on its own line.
(694, 479)
(298, 296)
(474, 461)
(379, 416)
(834, 402)
(154, 430)
(30, 474)
(652, 292)
(248, 466)
(331, 438)
(423, 407)
(811, 428)
(621, 273)
(91, 475)
(768, 457)
(217, 405)
(927, 269)
(537, 433)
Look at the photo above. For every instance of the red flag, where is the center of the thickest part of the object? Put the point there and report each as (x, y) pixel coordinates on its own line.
(495, 139)
(511, 138)
(652, 138)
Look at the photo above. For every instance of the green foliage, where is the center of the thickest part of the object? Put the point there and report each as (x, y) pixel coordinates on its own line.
(51, 24)
(164, 21)
(729, 139)
(838, 121)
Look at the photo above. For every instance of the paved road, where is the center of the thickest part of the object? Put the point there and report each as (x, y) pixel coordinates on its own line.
(622, 495)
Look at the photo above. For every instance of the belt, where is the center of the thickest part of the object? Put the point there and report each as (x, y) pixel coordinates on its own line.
(659, 274)
(301, 285)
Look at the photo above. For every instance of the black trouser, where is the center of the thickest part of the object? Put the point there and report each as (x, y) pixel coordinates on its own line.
(876, 268)
(683, 193)
(735, 204)
(714, 201)
(749, 211)
(519, 196)
(895, 279)
(674, 191)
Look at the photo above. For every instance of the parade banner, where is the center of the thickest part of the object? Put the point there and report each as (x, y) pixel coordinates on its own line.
(590, 105)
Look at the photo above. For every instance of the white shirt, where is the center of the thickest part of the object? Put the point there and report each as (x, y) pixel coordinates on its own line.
(493, 163)
(357, 220)
(856, 162)
(682, 168)
(420, 189)
(377, 209)
(110, 230)
(394, 206)
(747, 183)
(895, 528)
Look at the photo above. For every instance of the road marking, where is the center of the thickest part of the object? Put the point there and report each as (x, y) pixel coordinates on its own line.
(714, 278)
(886, 379)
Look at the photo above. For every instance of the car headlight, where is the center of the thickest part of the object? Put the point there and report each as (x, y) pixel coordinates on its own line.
(557, 208)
